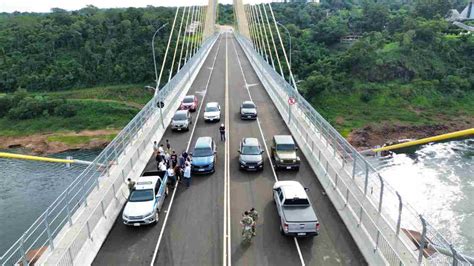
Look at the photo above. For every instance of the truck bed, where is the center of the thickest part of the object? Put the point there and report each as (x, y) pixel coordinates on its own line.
(299, 214)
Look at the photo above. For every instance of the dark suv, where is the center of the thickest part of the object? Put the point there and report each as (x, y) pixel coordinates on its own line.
(250, 154)
(284, 152)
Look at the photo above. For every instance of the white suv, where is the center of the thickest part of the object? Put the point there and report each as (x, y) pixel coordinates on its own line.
(146, 199)
(212, 112)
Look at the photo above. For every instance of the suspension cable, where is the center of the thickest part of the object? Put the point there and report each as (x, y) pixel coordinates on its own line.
(166, 52)
(247, 15)
(257, 39)
(189, 39)
(184, 38)
(177, 44)
(266, 37)
(262, 40)
(273, 41)
(283, 48)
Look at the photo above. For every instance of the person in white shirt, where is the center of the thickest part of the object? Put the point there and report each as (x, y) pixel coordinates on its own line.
(162, 166)
(187, 174)
(171, 176)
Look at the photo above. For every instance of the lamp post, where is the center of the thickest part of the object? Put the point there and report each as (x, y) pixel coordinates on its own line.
(289, 37)
(157, 88)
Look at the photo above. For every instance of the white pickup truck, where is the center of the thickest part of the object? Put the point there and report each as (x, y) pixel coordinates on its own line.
(297, 217)
(146, 199)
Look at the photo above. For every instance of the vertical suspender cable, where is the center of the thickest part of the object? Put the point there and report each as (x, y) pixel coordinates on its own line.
(266, 37)
(184, 39)
(166, 52)
(260, 33)
(283, 48)
(189, 39)
(177, 44)
(273, 41)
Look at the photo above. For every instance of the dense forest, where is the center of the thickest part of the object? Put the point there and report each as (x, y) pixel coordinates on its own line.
(88, 47)
(225, 15)
(407, 63)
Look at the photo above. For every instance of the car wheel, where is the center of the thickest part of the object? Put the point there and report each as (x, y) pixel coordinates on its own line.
(156, 218)
(167, 191)
(281, 231)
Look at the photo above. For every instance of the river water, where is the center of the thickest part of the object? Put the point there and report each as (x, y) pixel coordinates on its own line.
(438, 181)
(27, 188)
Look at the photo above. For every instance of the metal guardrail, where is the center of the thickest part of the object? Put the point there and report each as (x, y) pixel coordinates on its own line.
(381, 214)
(41, 234)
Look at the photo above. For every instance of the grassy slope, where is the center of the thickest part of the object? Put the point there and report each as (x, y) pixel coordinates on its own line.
(346, 111)
(93, 113)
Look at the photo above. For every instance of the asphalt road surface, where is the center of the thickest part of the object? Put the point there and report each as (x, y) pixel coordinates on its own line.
(194, 231)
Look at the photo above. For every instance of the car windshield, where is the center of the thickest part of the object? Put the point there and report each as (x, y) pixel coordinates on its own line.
(188, 100)
(250, 150)
(296, 201)
(248, 105)
(211, 109)
(141, 195)
(202, 152)
(285, 147)
(179, 116)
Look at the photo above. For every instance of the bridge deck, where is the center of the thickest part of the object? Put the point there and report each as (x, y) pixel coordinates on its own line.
(193, 234)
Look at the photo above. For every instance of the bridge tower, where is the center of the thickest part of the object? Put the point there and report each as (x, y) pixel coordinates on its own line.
(211, 15)
(242, 23)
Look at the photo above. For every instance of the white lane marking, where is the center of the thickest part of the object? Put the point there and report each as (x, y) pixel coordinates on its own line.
(155, 253)
(299, 251)
(227, 233)
(264, 143)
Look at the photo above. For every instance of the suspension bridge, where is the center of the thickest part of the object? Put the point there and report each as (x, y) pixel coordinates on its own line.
(363, 219)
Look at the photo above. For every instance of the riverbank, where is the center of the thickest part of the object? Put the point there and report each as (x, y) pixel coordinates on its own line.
(378, 134)
(51, 143)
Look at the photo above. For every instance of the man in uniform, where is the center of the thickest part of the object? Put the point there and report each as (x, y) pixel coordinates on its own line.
(254, 215)
(247, 220)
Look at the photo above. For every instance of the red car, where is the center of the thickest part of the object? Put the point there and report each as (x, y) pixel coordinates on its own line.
(190, 102)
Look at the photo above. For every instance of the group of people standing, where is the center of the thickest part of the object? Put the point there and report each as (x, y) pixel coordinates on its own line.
(178, 167)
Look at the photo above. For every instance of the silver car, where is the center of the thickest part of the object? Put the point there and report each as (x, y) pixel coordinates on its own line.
(248, 110)
(181, 120)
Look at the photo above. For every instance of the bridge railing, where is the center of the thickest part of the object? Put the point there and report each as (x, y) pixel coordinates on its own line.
(376, 211)
(42, 233)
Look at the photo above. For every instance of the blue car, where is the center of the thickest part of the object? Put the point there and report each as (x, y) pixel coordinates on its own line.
(204, 156)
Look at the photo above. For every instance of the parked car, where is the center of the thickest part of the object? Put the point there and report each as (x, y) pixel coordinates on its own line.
(284, 152)
(212, 112)
(181, 120)
(250, 157)
(297, 216)
(190, 102)
(248, 110)
(204, 156)
(146, 199)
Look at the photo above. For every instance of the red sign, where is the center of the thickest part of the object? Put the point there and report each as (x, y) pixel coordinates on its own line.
(291, 101)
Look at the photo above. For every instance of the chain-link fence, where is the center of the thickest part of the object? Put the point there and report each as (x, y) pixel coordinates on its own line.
(394, 229)
(42, 233)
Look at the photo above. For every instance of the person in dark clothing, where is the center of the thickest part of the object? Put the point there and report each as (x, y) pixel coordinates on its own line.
(222, 131)
(185, 156)
(174, 159)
